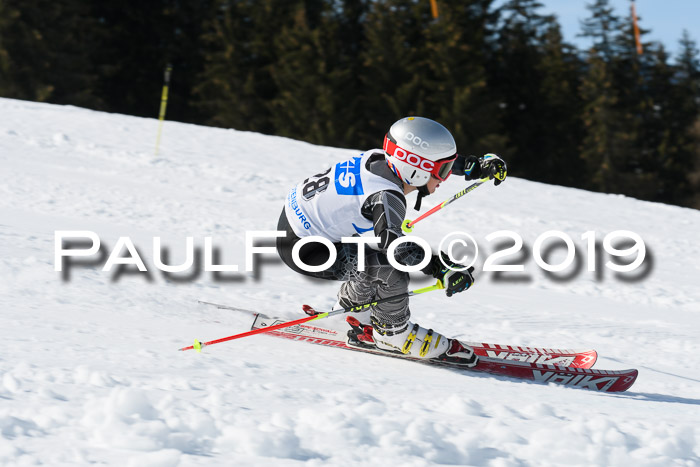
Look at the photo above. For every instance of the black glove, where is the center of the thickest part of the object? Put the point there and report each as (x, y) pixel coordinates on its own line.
(457, 281)
(454, 281)
(494, 167)
(474, 168)
(467, 166)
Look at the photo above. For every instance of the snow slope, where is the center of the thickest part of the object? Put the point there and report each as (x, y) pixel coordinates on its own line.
(89, 371)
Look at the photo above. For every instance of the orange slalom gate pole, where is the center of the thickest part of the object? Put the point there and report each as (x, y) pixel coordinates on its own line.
(636, 30)
(434, 9)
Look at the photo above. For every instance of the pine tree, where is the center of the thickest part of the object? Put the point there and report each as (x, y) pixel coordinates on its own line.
(39, 60)
(395, 66)
(314, 77)
(458, 96)
(561, 107)
(236, 82)
(599, 121)
(688, 64)
(601, 27)
(135, 40)
(613, 121)
(534, 73)
(183, 50)
(16, 37)
(660, 141)
(683, 182)
(633, 75)
(352, 43)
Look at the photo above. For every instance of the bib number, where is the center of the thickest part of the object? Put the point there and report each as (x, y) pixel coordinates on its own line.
(316, 184)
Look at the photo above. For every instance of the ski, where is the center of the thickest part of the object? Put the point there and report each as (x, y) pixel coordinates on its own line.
(546, 356)
(540, 365)
(586, 378)
(560, 357)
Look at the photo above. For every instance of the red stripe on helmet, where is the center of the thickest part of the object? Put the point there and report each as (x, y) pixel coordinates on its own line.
(433, 167)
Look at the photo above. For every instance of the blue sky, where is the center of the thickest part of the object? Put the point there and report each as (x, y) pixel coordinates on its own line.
(665, 18)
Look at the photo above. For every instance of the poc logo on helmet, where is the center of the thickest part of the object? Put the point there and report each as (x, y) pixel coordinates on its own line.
(413, 159)
(417, 140)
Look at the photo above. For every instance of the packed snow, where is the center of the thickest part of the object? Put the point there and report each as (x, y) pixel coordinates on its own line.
(89, 367)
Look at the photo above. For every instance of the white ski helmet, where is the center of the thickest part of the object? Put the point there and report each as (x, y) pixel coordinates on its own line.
(417, 147)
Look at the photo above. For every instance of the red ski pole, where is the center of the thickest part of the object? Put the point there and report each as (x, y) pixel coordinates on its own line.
(407, 225)
(198, 346)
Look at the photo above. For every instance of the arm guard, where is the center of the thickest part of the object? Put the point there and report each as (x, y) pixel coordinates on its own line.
(387, 209)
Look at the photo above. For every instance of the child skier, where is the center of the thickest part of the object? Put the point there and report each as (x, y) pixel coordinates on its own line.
(368, 193)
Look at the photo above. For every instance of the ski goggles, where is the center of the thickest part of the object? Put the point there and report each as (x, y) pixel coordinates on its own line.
(443, 168)
(440, 169)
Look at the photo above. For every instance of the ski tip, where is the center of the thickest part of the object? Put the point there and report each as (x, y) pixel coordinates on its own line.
(593, 357)
(309, 310)
(630, 376)
(585, 359)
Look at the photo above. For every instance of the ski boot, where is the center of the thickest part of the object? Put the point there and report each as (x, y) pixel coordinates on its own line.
(412, 341)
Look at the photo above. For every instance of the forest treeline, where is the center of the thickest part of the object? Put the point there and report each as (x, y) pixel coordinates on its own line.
(339, 72)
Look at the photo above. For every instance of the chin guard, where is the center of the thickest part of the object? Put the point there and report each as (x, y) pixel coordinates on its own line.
(422, 192)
